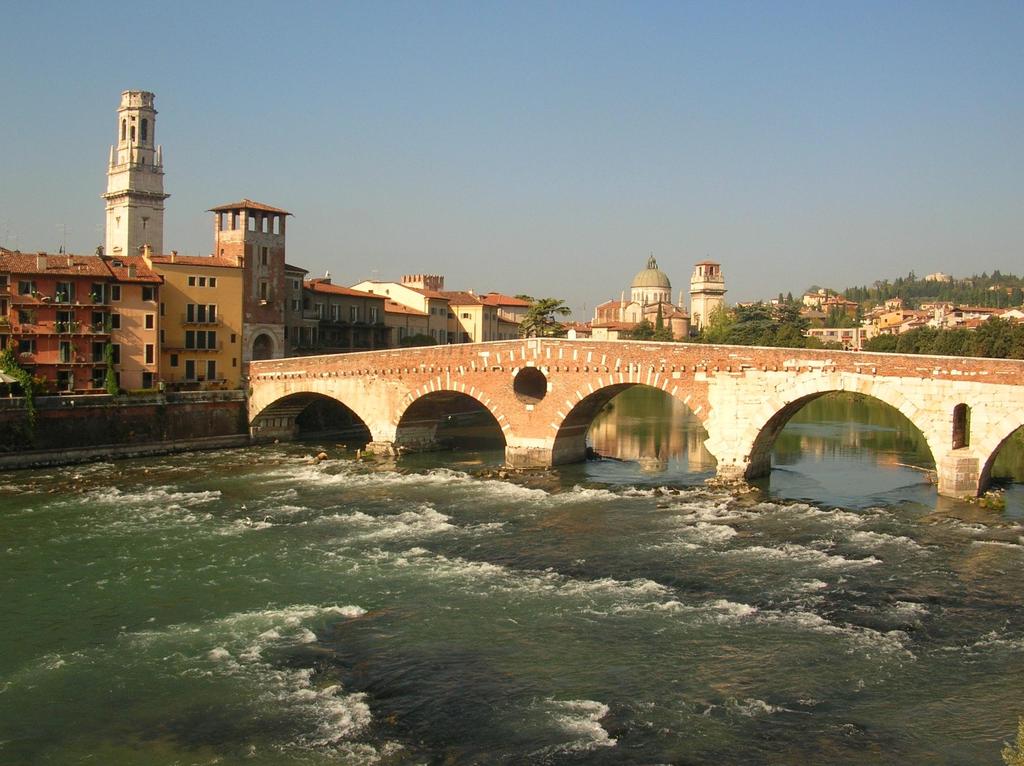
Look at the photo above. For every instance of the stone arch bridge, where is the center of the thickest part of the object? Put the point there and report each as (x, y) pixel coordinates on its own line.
(544, 393)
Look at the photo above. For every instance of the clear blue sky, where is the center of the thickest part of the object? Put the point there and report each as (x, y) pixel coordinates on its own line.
(544, 148)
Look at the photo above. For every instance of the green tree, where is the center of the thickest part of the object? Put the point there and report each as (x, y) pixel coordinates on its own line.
(9, 365)
(661, 332)
(540, 321)
(644, 330)
(420, 339)
(110, 381)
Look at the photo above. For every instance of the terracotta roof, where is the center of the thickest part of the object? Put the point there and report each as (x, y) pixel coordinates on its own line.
(216, 261)
(497, 299)
(392, 307)
(461, 298)
(61, 264)
(611, 303)
(614, 325)
(319, 286)
(289, 267)
(423, 291)
(143, 273)
(248, 204)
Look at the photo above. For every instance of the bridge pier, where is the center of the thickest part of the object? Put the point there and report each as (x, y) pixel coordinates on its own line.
(960, 475)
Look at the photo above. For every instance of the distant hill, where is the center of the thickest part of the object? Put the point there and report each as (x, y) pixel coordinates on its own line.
(995, 289)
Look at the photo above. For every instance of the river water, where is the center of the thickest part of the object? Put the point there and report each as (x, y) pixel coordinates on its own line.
(253, 606)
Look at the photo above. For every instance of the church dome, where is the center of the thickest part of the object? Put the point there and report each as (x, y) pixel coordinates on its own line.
(652, 276)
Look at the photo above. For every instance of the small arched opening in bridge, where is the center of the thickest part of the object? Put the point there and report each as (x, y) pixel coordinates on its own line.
(845, 448)
(311, 416)
(1005, 467)
(961, 426)
(640, 428)
(262, 347)
(449, 420)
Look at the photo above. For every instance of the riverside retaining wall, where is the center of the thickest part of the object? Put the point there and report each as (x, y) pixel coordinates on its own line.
(76, 428)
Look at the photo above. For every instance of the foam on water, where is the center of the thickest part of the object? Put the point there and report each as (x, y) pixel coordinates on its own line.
(872, 540)
(482, 576)
(801, 554)
(580, 719)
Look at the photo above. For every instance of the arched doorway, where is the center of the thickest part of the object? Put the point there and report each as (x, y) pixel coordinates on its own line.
(262, 347)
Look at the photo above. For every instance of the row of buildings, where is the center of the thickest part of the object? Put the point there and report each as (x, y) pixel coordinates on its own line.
(154, 318)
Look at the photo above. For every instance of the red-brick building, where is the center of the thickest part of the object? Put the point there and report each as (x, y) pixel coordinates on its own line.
(60, 312)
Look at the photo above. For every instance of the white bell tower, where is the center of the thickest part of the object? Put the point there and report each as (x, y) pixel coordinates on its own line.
(135, 179)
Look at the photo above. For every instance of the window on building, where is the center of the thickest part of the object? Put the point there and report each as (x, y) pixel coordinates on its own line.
(252, 223)
(150, 319)
(162, 307)
(65, 292)
(335, 312)
(465, 315)
(264, 290)
(115, 292)
(190, 312)
(3, 283)
(26, 286)
(124, 129)
(296, 285)
(234, 361)
(174, 360)
(98, 377)
(190, 369)
(295, 305)
(115, 321)
(149, 354)
(65, 352)
(213, 281)
(144, 129)
(65, 380)
(147, 380)
(264, 256)
(162, 337)
(353, 313)
(211, 369)
(191, 281)
(211, 339)
(318, 311)
(190, 338)
(232, 337)
(26, 345)
(26, 317)
(202, 281)
(373, 315)
(148, 293)
(116, 347)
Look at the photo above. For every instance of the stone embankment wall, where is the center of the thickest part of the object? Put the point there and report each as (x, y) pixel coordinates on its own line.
(77, 428)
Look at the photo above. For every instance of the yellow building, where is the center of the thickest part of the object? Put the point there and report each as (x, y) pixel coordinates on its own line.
(134, 321)
(201, 313)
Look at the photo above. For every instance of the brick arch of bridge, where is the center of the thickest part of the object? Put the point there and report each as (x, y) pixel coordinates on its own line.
(423, 409)
(569, 445)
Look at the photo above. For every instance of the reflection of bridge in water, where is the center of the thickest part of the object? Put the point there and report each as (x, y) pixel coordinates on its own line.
(544, 394)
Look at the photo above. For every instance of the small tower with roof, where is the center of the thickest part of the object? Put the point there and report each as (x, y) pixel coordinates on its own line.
(707, 293)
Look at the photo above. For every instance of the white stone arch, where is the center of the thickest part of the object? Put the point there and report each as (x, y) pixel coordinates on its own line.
(742, 439)
(275, 403)
(570, 432)
(991, 441)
